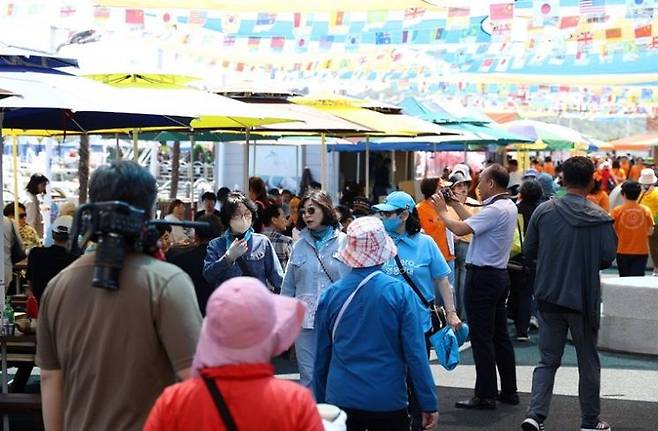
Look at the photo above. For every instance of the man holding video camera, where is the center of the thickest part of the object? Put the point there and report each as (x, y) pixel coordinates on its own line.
(107, 354)
(487, 285)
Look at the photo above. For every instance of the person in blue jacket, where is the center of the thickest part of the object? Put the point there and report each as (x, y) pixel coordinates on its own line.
(369, 336)
(241, 251)
(313, 266)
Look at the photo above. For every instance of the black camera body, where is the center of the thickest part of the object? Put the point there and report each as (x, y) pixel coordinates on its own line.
(447, 194)
(116, 227)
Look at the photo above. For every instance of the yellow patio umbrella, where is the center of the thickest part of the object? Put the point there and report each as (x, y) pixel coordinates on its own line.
(214, 112)
(365, 114)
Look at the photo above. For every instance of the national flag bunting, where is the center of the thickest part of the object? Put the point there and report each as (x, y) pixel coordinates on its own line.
(501, 11)
(135, 16)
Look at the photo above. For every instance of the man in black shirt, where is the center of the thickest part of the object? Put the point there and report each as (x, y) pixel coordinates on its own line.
(44, 263)
(191, 259)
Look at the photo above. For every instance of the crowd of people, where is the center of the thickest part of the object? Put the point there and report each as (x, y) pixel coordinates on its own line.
(354, 287)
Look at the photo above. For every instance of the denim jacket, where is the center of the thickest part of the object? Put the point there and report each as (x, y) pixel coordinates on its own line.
(305, 279)
(260, 259)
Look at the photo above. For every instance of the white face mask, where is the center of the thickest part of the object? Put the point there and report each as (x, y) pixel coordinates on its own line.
(240, 225)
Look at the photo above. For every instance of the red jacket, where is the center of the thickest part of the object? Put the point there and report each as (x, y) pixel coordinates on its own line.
(257, 401)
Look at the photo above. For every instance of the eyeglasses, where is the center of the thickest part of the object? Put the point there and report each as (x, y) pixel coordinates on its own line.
(239, 215)
(22, 215)
(309, 211)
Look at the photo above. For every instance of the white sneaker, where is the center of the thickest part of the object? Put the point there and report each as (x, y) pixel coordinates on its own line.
(601, 426)
(532, 425)
(534, 323)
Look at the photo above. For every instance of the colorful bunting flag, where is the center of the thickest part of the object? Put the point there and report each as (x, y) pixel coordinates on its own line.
(67, 11)
(501, 12)
(277, 43)
(569, 22)
(336, 19)
(591, 7)
(198, 17)
(643, 31)
(264, 22)
(613, 34)
(101, 14)
(382, 38)
(135, 17)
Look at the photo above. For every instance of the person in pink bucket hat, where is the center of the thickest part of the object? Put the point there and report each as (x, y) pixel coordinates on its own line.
(233, 385)
(369, 336)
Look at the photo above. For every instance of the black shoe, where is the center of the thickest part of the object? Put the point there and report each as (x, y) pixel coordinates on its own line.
(476, 403)
(511, 399)
(531, 424)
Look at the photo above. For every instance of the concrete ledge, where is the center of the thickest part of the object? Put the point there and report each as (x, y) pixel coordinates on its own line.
(629, 322)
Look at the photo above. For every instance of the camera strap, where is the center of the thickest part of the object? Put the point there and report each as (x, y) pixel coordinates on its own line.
(244, 267)
(496, 198)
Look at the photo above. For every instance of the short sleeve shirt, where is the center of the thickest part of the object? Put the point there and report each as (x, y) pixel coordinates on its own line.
(118, 349)
(493, 233)
(422, 260)
(633, 222)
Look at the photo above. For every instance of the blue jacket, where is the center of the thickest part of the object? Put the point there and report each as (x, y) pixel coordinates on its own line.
(305, 279)
(260, 259)
(379, 338)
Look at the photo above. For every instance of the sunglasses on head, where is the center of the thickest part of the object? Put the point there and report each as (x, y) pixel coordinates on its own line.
(309, 211)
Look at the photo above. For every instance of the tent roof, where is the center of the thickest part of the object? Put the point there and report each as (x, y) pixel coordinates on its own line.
(640, 142)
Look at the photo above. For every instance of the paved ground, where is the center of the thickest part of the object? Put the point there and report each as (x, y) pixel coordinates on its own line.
(629, 392)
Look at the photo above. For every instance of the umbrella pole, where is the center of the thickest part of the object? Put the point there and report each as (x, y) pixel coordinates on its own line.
(367, 164)
(136, 145)
(323, 161)
(358, 167)
(2, 241)
(190, 168)
(245, 173)
(116, 136)
(14, 157)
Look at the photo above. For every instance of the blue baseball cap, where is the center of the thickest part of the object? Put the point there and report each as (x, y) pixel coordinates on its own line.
(396, 201)
(530, 173)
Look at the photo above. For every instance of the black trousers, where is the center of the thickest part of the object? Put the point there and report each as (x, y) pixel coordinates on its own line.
(520, 299)
(361, 420)
(632, 265)
(486, 291)
(414, 410)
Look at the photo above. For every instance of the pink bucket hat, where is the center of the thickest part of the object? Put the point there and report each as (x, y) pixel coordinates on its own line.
(367, 244)
(245, 324)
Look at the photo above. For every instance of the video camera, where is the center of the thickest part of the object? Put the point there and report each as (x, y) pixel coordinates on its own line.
(116, 227)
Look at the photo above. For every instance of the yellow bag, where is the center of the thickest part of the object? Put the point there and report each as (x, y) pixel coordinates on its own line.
(517, 243)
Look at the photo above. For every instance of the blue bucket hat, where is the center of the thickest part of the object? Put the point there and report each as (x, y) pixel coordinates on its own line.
(396, 201)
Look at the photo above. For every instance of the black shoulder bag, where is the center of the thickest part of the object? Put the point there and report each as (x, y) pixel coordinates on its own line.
(438, 314)
(222, 408)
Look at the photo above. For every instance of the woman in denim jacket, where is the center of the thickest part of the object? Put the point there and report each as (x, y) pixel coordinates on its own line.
(313, 266)
(240, 251)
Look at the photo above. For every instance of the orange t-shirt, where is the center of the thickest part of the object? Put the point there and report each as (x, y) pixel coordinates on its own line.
(601, 199)
(434, 227)
(636, 170)
(633, 223)
(549, 168)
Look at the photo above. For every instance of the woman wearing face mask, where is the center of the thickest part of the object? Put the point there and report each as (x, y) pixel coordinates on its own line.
(421, 260)
(313, 266)
(241, 251)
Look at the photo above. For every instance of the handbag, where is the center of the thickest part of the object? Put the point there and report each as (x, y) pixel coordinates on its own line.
(17, 251)
(437, 313)
(220, 403)
(517, 262)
